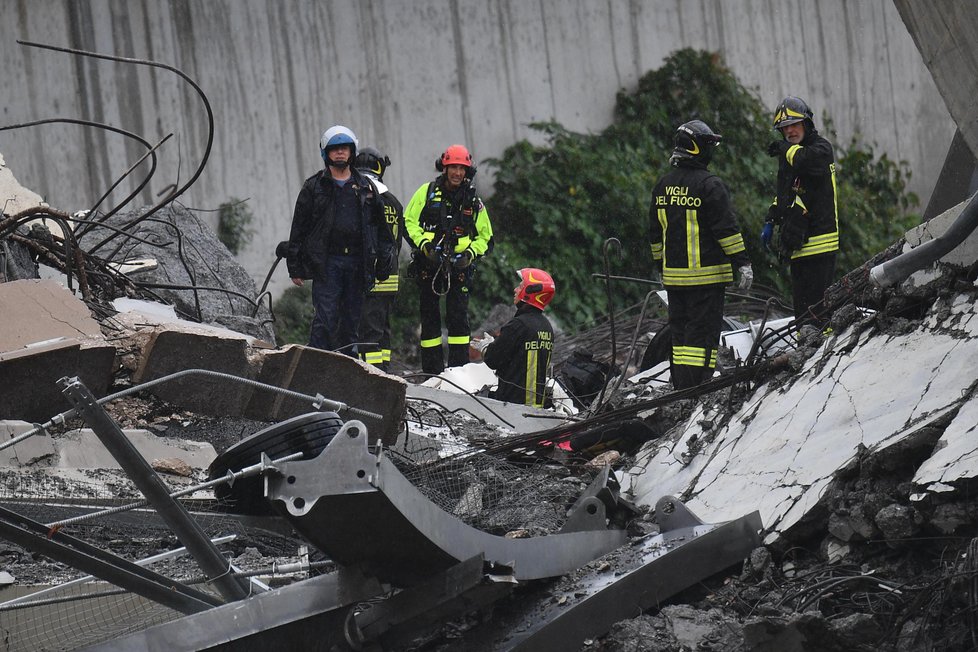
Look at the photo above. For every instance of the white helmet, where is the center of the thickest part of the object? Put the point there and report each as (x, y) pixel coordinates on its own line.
(337, 135)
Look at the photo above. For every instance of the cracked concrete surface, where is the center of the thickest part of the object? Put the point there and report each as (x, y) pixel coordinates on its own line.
(863, 391)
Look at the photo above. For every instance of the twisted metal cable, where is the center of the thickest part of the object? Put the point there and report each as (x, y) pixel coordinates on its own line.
(145, 62)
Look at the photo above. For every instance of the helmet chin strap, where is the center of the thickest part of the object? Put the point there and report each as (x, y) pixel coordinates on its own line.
(339, 165)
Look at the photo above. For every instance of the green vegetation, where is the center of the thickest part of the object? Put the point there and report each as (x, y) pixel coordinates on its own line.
(293, 315)
(555, 205)
(234, 220)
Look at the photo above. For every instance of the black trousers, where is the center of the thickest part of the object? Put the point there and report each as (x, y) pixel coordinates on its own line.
(375, 327)
(810, 278)
(454, 286)
(695, 320)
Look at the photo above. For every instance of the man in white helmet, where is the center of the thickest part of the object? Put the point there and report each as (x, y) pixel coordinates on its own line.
(338, 240)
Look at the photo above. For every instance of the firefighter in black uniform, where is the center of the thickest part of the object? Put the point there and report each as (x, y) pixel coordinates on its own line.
(696, 241)
(805, 206)
(520, 356)
(449, 229)
(375, 324)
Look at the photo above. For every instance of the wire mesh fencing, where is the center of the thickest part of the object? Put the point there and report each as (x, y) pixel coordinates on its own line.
(53, 606)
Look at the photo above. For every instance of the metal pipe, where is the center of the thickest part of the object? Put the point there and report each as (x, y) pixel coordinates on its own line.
(896, 270)
(214, 565)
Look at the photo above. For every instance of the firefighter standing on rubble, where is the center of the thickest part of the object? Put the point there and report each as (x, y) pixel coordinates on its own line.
(449, 230)
(375, 319)
(696, 244)
(520, 356)
(804, 207)
(338, 240)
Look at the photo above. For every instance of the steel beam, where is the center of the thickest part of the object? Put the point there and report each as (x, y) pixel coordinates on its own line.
(66, 549)
(641, 578)
(309, 615)
(462, 588)
(360, 510)
(214, 565)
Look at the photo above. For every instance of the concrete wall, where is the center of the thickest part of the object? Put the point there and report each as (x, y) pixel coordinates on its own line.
(944, 31)
(411, 77)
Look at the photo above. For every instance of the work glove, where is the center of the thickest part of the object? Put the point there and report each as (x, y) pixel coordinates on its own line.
(793, 230)
(766, 234)
(428, 250)
(778, 148)
(746, 277)
(483, 344)
(462, 260)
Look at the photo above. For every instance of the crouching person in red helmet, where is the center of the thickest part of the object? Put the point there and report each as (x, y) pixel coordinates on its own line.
(520, 356)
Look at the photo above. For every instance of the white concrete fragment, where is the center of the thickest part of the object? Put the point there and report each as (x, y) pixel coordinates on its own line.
(780, 451)
(81, 449)
(14, 197)
(956, 454)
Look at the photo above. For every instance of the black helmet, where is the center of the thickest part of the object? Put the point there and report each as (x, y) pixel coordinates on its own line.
(695, 141)
(791, 110)
(372, 162)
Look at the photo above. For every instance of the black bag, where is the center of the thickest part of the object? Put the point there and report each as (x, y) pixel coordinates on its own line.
(583, 377)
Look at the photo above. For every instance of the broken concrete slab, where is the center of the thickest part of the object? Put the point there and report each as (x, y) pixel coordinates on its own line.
(956, 453)
(516, 417)
(82, 449)
(335, 376)
(137, 313)
(31, 450)
(31, 375)
(224, 292)
(964, 255)
(451, 389)
(176, 349)
(37, 310)
(841, 405)
(14, 197)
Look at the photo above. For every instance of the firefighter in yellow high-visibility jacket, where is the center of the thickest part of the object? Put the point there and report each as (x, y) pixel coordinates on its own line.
(375, 317)
(449, 231)
(804, 207)
(696, 245)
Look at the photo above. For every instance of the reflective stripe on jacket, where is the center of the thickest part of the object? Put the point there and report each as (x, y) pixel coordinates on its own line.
(806, 178)
(432, 211)
(692, 229)
(520, 356)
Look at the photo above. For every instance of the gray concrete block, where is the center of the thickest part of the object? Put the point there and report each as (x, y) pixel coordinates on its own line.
(335, 376)
(30, 376)
(171, 351)
(276, 370)
(11, 430)
(82, 449)
(36, 310)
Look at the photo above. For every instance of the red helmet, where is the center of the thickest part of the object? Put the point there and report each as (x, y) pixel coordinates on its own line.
(454, 155)
(536, 287)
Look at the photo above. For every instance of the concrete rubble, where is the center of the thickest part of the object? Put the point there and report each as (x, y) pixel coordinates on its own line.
(869, 388)
(857, 445)
(819, 426)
